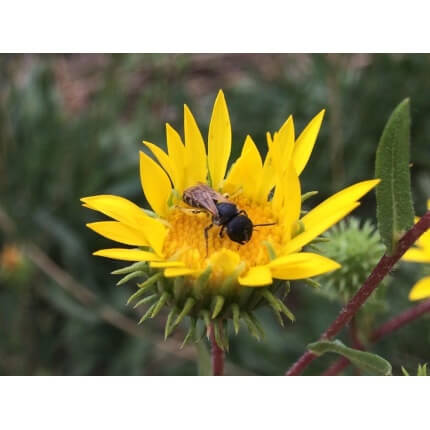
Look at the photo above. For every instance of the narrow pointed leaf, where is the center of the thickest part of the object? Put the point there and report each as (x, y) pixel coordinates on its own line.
(169, 323)
(147, 314)
(369, 363)
(191, 332)
(145, 300)
(252, 328)
(286, 311)
(159, 305)
(217, 305)
(189, 304)
(132, 268)
(131, 275)
(395, 211)
(205, 314)
(236, 317)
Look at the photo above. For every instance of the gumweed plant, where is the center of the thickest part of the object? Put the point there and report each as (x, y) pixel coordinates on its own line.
(219, 243)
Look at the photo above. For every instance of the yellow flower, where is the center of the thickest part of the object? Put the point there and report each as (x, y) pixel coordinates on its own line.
(269, 191)
(216, 279)
(420, 254)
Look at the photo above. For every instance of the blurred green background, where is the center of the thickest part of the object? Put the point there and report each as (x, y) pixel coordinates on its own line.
(71, 126)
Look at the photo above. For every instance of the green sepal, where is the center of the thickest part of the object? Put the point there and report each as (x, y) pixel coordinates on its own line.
(255, 330)
(200, 285)
(287, 289)
(205, 314)
(188, 306)
(178, 287)
(130, 276)
(312, 282)
(271, 299)
(145, 300)
(147, 314)
(169, 326)
(422, 369)
(286, 311)
(219, 338)
(217, 305)
(369, 363)
(236, 317)
(161, 302)
(191, 332)
(278, 316)
(308, 195)
(394, 206)
(132, 268)
(143, 287)
(405, 372)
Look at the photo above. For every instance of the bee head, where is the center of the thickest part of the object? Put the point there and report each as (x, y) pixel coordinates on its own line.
(239, 229)
(226, 211)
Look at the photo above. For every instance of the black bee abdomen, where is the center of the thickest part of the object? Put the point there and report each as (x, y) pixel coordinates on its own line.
(226, 211)
(239, 229)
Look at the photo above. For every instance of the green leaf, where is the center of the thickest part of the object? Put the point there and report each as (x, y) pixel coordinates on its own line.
(369, 363)
(395, 211)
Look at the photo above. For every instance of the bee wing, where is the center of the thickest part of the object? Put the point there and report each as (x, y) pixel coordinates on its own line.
(203, 197)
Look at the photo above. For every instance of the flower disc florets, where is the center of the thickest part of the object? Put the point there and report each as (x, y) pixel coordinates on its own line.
(220, 279)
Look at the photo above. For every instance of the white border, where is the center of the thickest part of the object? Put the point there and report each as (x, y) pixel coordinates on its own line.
(217, 26)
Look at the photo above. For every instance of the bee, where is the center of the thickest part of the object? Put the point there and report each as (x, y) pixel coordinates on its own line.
(224, 213)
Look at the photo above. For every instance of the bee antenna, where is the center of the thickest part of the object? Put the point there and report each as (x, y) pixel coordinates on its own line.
(264, 225)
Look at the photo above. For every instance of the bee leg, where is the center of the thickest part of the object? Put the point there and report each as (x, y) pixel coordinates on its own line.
(207, 237)
(221, 232)
(242, 212)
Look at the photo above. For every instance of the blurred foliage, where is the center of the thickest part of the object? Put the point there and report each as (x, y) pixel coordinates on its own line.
(71, 126)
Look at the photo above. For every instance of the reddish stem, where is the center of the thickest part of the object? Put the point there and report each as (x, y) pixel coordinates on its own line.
(391, 325)
(217, 354)
(381, 270)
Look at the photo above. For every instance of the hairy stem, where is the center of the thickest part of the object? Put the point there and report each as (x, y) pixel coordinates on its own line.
(381, 270)
(391, 325)
(217, 354)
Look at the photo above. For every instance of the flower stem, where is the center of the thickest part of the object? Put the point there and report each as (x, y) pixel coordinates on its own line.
(381, 270)
(217, 354)
(391, 325)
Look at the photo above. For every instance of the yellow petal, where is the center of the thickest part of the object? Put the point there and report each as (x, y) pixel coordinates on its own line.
(421, 290)
(219, 141)
(119, 232)
(126, 212)
(256, 276)
(162, 158)
(127, 254)
(283, 145)
(341, 199)
(239, 176)
(176, 152)
(195, 152)
(165, 264)
(301, 265)
(224, 262)
(268, 175)
(155, 184)
(179, 271)
(306, 141)
(317, 228)
(287, 198)
(417, 255)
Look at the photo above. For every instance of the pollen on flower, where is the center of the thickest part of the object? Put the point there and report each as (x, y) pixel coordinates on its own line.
(186, 241)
